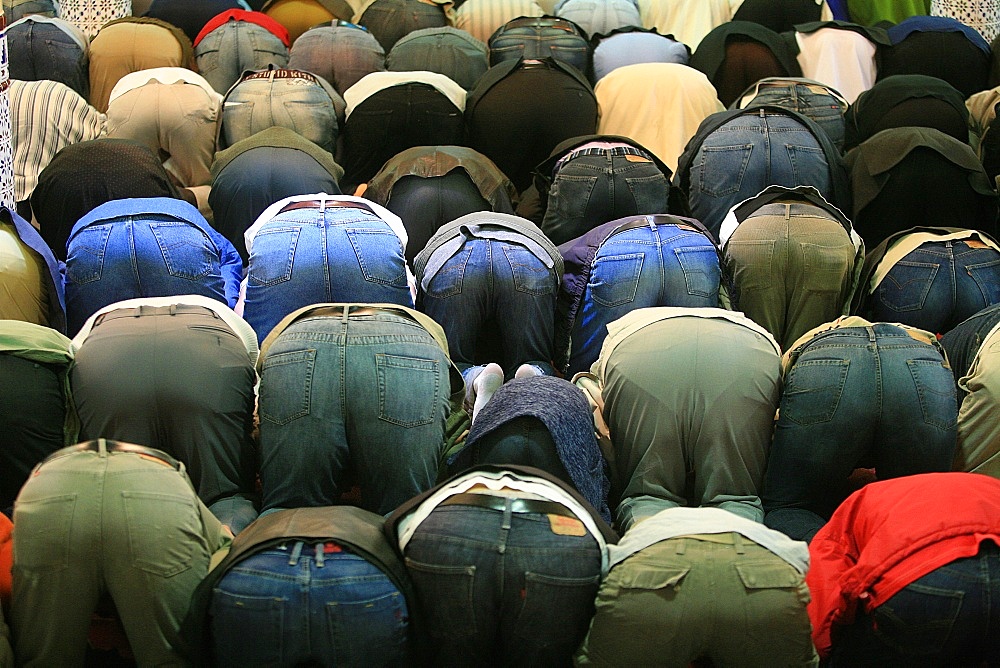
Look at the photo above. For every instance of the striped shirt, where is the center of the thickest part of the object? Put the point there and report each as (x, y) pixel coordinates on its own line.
(481, 18)
(46, 116)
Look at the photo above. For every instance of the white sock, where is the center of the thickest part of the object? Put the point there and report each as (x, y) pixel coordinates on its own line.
(485, 384)
(528, 371)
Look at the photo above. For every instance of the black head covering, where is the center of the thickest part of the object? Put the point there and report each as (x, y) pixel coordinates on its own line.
(907, 100)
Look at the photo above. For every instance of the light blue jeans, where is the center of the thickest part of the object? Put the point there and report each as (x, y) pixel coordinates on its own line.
(308, 256)
(351, 399)
(294, 103)
(155, 247)
(640, 268)
(747, 154)
(234, 47)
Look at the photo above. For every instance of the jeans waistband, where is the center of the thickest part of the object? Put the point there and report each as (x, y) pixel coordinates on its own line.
(617, 151)
(106, 447)
(502, 502)
(172, 309)
(322, 204)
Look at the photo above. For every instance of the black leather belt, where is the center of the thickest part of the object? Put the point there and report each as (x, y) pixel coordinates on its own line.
(116, 446)
(516, 505)
(327, 204)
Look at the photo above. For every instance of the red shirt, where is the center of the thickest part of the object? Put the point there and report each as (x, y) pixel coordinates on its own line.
(888, 534)
(259, 18)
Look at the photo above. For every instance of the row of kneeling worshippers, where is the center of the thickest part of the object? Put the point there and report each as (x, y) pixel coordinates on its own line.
(375, 332)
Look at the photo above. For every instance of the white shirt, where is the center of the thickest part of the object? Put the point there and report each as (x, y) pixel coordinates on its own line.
(163, 75)
(674, 522)
(379, 81)
(239, 326)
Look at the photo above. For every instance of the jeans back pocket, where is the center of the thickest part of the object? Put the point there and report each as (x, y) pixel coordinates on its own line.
(272, 254)
(813, 390)
(409, 389)
(186, 250)
(85, 254)
(614, 279)
(286, 386)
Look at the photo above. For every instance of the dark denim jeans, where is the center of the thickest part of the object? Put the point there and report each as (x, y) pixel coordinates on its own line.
(308, 256)
(666, 266)
(390, 20)
(500, 588)
(43, 50)
(590, 190)
(361, 399)
(747, 154)
(489, 282)
(234, 47)
(949, 617)
(856, 397)
(154, 247)
(938, 285)
(298, 604)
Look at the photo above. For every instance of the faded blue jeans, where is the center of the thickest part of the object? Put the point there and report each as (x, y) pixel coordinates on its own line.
(234, 47)
(747, 154)
(308, 604)
(938, 285)
(296, 103)
(351, 399)
(670, 265)
(42, 50)
(949, 617)
(870, 397)
(501, 588)
(501, 284)
(807, 97)
(309, 256)
(153, 247)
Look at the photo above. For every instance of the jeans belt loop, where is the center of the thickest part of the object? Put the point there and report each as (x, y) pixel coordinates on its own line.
(738, 543)
(293, 558)
(681, 546)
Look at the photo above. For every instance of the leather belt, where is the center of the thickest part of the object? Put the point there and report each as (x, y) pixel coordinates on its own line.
(352, 309)
(516, 505)
(596, 150)
(117, 446)
(326, 204)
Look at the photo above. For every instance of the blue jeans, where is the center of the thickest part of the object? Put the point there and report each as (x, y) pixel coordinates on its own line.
(809, 99)
(365, 395)
(491, 283)
(234, 47)
(297, 104)
(342, 55)
(747, 154)
(938, 285)
(40, 50)
(666, 266)
(299, 605)
(153, 247)
(856, 397)
(949, 617)
(308, 256)
(590, 190)
(500, 588)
